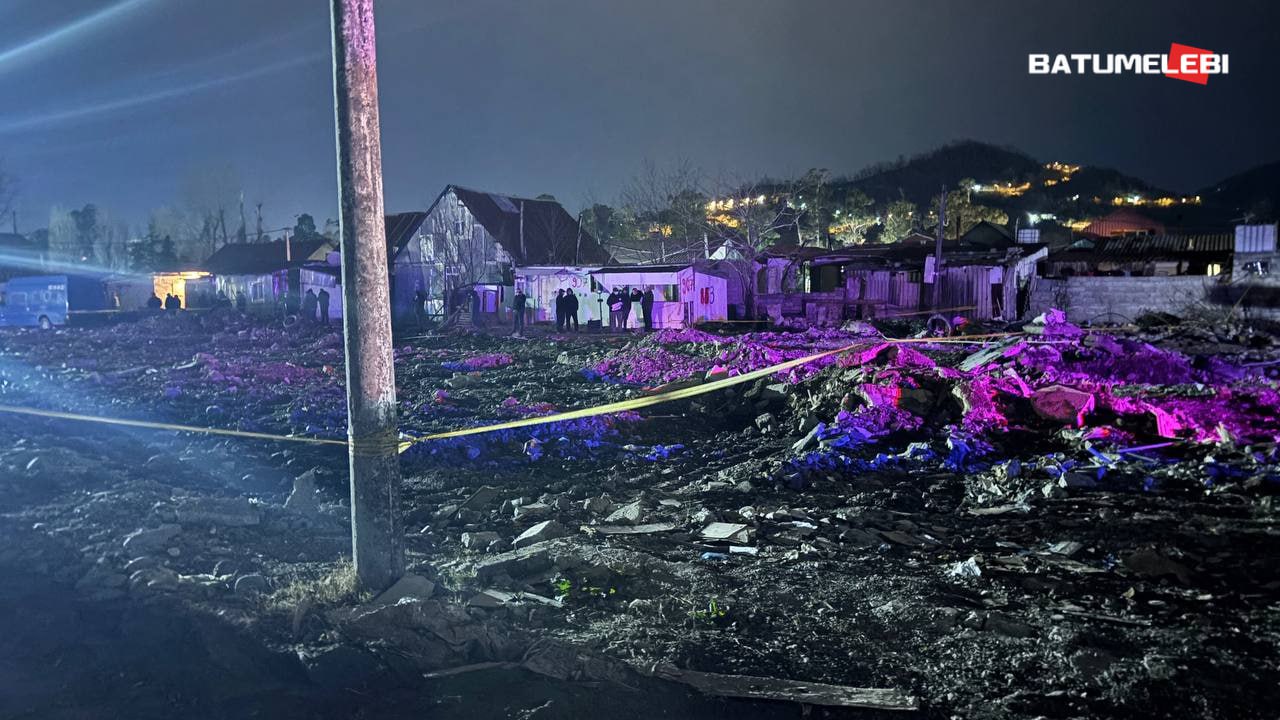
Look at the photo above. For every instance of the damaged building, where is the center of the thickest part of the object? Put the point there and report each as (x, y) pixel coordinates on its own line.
(981, 278)
(469, 241)
(1117, 278)
(261, 276)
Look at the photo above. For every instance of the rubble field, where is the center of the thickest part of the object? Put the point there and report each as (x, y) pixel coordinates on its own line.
(1057, 522)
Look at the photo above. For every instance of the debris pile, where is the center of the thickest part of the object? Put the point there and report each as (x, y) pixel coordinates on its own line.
(1068, 522)
(1116, 406)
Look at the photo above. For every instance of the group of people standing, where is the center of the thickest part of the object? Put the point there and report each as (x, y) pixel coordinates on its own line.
(566, 310)
(567, 302)
(314, 304)
(620, 301)
(171, 302)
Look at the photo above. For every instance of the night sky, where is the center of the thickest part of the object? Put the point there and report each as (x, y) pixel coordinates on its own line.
(115, 103)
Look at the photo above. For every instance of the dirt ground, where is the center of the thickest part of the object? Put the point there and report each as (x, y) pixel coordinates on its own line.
(151, 574)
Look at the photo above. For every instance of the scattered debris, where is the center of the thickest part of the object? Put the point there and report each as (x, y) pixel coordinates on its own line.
(763, 688)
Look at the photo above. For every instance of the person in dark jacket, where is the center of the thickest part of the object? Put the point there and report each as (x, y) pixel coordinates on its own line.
(629, 297)
(420, 308)
(476, 304)
(646, 308)
(171, 302)
(308, 312)
(517, 309)
(571, 309)
(559, 310)
(615, 303)
(322, 301)
(153, 302)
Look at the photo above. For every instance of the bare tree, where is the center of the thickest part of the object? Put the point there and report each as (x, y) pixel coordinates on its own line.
(207, 193)
(669, 207)
(752, 211)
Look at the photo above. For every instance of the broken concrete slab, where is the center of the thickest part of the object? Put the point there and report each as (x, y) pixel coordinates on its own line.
(480, 498)
(647, 529)
(408, 586)
(532, 511)
(629, 514)
(736, 533)
(478, 540)
(516, 563)
(545, 530)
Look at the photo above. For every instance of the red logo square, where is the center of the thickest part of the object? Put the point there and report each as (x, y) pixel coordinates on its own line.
(1176, 52)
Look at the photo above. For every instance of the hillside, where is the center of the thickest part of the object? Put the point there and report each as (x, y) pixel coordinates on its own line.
(919, 177)
(1014, 181)
(1254, 192)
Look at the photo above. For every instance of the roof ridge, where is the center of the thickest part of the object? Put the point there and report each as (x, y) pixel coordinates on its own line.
(505, 195)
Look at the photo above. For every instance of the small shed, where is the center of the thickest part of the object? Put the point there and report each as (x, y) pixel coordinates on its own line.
(684, 295)
(542, 283)
(260, 276)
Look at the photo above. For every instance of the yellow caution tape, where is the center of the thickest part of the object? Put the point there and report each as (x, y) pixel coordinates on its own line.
(165, 426)
(683, 393)
(606, 409)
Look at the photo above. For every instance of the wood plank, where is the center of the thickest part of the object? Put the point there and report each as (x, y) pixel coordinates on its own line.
(763, 688)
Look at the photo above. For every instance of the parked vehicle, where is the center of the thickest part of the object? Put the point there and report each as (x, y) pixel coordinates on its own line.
(46, 301)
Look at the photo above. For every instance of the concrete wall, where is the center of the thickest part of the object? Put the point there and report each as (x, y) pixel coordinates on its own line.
(1118, 299)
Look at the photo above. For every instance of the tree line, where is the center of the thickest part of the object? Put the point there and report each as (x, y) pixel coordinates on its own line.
(209, 211)
(676, 213)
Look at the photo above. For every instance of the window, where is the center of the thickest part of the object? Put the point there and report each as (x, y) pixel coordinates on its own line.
(827, 277)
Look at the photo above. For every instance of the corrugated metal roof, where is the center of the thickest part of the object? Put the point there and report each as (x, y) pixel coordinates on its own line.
(1153, 246)
(1123, 221)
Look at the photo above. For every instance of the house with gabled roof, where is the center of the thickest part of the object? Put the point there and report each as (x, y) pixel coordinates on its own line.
(468, 243)
(261, 276)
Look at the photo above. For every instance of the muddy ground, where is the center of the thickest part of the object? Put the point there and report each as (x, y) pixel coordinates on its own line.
(151, 574)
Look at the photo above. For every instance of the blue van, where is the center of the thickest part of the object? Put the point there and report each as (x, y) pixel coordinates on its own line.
(46, 300)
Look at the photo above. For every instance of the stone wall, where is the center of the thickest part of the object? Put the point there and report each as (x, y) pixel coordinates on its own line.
(1118, 299)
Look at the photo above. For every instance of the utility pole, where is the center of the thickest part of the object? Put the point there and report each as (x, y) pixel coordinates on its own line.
(577, 247)
(377, 538)
(937, 253)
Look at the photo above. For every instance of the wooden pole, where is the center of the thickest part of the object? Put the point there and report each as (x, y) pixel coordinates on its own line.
(937, 254)
(377, 541)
